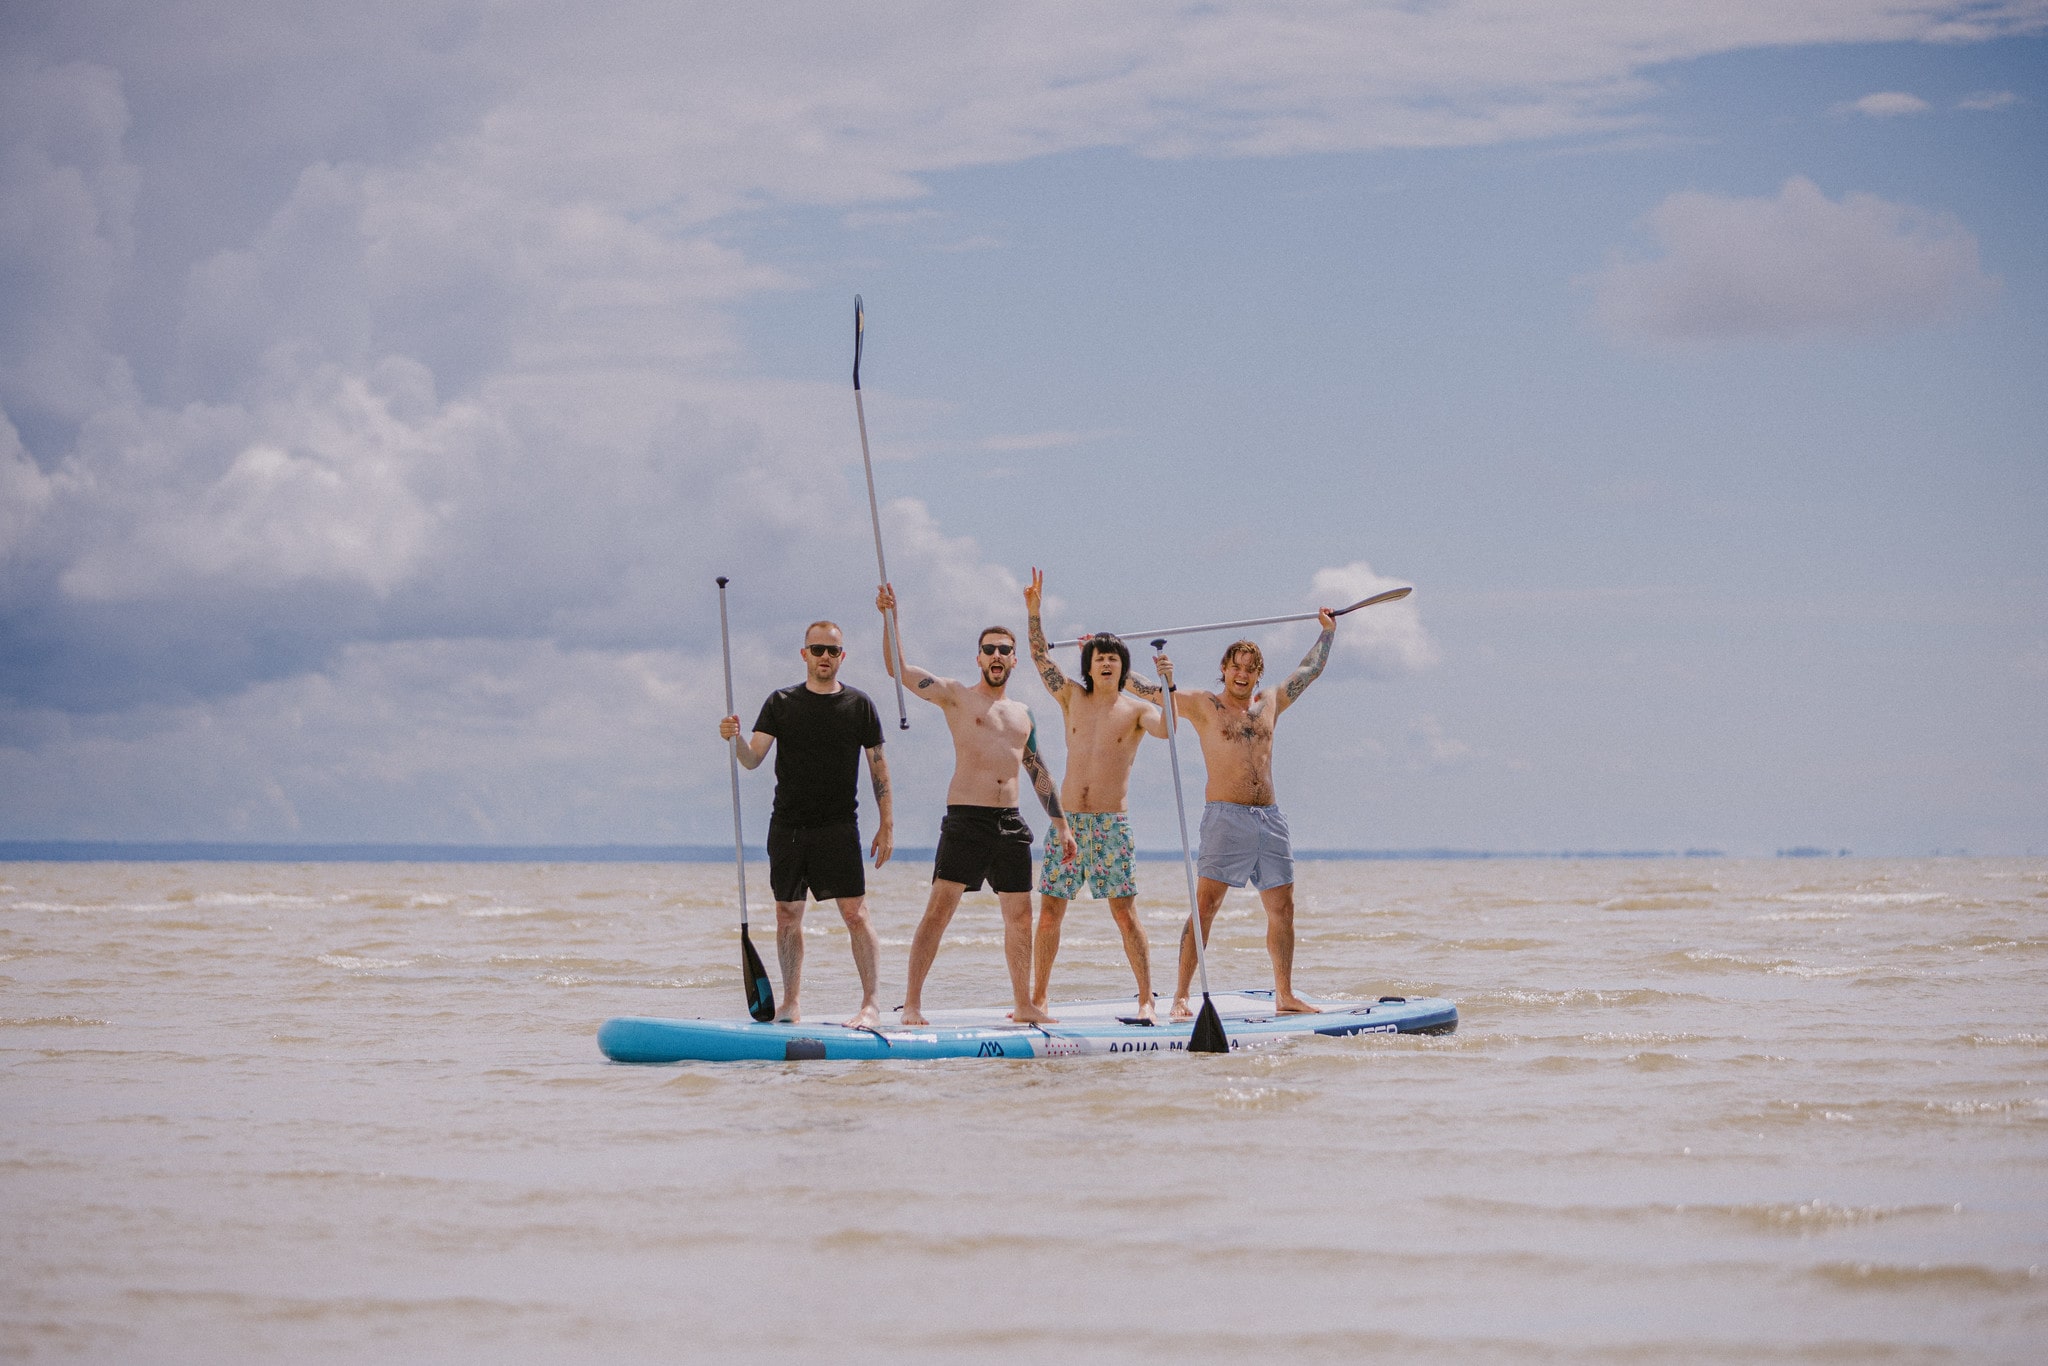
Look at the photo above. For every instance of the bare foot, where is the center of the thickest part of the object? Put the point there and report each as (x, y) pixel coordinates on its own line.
(1294, 1005)
(1180, 1010)
(913, 1016)
(1145, 1012)
(1032, 1015)
(867, 1018)
(788, 1014)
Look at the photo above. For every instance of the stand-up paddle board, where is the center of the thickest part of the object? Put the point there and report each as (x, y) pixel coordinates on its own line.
(1085, 1029)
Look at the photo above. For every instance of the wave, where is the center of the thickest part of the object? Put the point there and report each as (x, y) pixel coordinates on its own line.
(1966, 1276)
(1584, 996)
(1659, 902)
(1804, 1217)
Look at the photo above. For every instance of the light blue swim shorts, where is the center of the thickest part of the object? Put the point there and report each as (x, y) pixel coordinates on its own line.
(1245, 844)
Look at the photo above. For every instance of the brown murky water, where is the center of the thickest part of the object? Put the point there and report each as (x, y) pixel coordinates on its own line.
(1709, 1110)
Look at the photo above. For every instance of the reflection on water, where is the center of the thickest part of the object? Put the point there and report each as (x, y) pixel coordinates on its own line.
(1745, 1111)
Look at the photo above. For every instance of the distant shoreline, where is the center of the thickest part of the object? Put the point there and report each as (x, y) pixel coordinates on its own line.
(121, 851)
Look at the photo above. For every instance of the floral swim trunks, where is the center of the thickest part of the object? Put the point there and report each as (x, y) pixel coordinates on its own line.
(1102, 859)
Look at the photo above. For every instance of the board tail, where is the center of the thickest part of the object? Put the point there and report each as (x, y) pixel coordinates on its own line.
(760, 996)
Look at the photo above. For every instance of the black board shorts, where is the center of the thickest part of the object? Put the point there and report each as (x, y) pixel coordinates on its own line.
(819, 860)
(984, 843)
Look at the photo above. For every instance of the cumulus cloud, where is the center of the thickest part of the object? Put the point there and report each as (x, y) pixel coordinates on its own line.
(1886, 104)
(1429, 746)
(1385, 640)
(1795, 265)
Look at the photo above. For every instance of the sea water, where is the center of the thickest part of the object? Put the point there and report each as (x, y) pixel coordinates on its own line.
(1698, 1110)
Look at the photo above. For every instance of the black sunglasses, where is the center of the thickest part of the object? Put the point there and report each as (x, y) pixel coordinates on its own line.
(992, 649)
(824, 651)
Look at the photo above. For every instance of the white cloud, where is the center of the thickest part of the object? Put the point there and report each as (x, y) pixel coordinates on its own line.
(1885, 104)
(1989, 99)
(1386, 639)
(1044, 441)
(458, 741)
(67, 239)
(1430, 747)
(1796, 265)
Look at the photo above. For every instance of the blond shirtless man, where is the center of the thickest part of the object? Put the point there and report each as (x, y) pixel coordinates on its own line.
(1104, 726)
(1244, 836)
(983, 837)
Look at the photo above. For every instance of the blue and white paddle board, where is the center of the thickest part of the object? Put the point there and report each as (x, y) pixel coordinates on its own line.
(1084, 1029)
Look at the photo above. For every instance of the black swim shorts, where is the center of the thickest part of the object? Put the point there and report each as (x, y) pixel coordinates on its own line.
(984, 843)
(819, 860)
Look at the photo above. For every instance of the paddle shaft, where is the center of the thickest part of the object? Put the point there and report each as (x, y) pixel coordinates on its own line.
(1187, 853)
(732, 758)
(1391, 595)
(891, 648)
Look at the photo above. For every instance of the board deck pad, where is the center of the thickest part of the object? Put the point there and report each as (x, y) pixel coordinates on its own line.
(1084, 1029)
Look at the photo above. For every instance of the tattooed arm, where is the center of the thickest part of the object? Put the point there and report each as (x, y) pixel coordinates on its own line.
(885, 808)
(1041, 653)
(1311, 664)
(926, 684)
(1048, 794)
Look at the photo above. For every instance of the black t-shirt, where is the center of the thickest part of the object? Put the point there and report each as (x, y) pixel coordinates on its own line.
(818, 740)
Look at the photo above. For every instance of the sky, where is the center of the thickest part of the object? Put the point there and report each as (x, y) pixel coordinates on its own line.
(384, 386)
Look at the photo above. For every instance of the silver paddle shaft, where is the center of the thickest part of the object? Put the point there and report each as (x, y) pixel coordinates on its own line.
(732, 758)
(892, 646)
(1390, 595)
(1187, 853)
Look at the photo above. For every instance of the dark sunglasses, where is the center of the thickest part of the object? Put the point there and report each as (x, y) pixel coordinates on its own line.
(825, 651)
(994, 649)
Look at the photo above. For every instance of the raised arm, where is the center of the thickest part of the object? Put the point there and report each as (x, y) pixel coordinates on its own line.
(927, 685)
(1311, 665)
(884, 842)
(1048, 793)
(1041, 653)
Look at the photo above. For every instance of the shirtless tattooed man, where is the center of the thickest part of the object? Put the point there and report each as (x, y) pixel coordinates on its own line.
(1244, 836)
(983, 837)
(1104, 726)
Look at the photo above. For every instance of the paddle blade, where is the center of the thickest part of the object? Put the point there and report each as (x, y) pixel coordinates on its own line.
(760, 996)
(1208, 1036)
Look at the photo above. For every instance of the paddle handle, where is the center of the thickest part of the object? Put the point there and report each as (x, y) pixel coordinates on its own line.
(1187, 853)
(1391, 595)
(732, 757)
(891, 645)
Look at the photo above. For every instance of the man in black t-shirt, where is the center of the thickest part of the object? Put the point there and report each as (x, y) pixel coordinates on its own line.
(813, 833)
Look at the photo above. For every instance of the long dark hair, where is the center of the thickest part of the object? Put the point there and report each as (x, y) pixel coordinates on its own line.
(1093, 646)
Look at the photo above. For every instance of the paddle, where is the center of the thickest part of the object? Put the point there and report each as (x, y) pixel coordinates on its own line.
(1391, 595)
(1208, 1035)
(760, 996)
(889, 647)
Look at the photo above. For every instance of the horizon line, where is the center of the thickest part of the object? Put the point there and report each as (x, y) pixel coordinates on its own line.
(372, 851)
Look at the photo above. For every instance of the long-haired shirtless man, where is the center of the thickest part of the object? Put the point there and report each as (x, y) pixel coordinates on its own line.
(983, 837)
(1104, 726)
